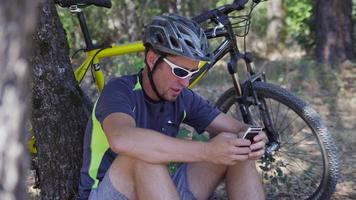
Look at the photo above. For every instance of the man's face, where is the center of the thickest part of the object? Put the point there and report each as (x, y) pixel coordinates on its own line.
(168, 84)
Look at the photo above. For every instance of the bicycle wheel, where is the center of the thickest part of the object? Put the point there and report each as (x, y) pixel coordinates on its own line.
(305, 166)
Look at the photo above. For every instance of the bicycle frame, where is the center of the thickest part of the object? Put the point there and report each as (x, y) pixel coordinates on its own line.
(94, 57)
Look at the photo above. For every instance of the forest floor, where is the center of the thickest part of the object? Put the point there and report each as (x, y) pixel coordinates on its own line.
(334, 99)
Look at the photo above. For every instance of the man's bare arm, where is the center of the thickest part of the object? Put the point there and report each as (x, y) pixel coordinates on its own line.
(154, 147)
(149, 145)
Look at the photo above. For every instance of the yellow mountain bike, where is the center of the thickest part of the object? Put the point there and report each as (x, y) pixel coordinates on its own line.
(300, 160)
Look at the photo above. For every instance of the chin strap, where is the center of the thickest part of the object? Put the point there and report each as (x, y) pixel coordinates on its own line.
(150, 75)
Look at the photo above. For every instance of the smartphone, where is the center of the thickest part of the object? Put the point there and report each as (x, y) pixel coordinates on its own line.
(251, 133)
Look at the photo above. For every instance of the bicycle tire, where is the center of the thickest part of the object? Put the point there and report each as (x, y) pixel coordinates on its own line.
(311, 188)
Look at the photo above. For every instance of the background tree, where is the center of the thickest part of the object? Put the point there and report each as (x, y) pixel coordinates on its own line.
(298, 22)
(275, 27)
(58, 118)
(168, 5)
(14, 95)
(334, 31)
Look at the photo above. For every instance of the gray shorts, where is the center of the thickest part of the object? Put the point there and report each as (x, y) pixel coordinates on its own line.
(106, 190)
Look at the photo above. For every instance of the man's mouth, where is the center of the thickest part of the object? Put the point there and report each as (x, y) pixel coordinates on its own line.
(176, 90)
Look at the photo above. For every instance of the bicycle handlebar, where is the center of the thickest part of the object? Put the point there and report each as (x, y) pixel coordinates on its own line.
(222, 10)
(68, 3)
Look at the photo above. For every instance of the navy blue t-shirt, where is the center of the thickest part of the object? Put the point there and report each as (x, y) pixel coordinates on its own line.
(126, 95)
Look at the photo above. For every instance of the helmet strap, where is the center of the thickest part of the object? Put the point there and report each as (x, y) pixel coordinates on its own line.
(150, 76)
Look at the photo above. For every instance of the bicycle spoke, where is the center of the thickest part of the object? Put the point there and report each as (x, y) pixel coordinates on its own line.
(295, 143)
(292, 171)
(274, 117)
(296, 116)
(235, 114)
(308, 175)
(279, 105)
(271, 114)
(284, 118)
(311, 162)
(309, 135)
(300, 155)
(294, 134)
(256, 115)
(291, 154)
(316, 144)
(297, 165)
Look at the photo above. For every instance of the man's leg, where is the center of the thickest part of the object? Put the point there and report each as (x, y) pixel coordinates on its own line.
(242, 180)
(203, 178)
(137, 179)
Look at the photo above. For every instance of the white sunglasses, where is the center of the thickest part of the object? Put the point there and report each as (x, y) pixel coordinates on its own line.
(178, 71)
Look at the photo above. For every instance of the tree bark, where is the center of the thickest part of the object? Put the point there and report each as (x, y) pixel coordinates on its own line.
(276, 16)
(14, 95)
(131, 20)
(59, 117)
(168, 5)
(334, 31)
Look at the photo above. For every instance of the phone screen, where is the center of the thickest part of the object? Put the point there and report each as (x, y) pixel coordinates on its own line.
(251, 133)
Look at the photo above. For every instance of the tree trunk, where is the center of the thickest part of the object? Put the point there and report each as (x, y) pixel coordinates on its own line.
(131, 20)
(168, 6)
(59, 117)
(14, 95)
(334, 31)
(276, 16)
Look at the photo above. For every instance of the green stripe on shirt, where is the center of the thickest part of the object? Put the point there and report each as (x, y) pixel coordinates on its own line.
(99, 145)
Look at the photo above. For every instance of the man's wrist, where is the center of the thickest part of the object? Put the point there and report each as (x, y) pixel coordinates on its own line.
(205, 151)
(244, 127)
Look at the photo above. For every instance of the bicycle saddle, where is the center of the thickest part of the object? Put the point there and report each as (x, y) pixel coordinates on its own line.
(83, 3)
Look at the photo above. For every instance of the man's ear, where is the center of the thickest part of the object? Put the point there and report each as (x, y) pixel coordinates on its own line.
(151, 58)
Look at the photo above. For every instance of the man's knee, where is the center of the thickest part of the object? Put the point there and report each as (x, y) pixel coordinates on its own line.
(130, 165)
(245, 165)
(126, 171)
(142, 166)
(242, 169)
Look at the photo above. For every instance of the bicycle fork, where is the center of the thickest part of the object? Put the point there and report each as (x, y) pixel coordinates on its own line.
(247, 96)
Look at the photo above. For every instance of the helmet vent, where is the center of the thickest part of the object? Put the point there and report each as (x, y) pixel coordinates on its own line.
(189, 44)
(174, 42)
(182, 30)
(159, 38)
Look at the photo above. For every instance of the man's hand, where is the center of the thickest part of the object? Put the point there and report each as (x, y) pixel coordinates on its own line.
(227, 149)
(258, 146)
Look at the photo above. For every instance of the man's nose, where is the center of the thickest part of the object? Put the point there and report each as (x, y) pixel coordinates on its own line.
(185, 81)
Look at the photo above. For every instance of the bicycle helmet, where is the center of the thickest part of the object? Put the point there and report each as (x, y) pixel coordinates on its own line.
(177, 35)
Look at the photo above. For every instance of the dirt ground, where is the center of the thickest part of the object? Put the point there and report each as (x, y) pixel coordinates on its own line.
(337, 108)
